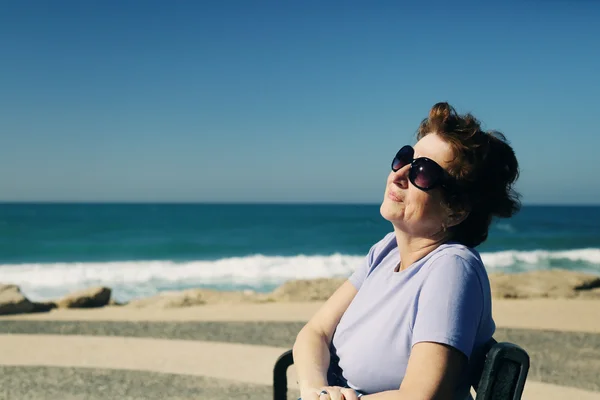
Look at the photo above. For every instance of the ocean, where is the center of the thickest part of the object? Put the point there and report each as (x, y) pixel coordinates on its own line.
(141, 249)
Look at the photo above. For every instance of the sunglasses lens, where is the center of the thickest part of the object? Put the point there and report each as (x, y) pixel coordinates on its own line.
(403, 157)
(424, 174)
(397, 164)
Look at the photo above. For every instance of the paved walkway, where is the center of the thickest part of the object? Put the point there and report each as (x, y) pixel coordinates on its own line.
(59, 356)
(136, 368)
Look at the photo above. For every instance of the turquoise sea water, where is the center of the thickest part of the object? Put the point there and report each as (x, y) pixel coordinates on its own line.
(140, 249)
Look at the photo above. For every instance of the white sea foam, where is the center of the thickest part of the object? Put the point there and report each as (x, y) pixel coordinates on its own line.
(143, 278)
(539, 258)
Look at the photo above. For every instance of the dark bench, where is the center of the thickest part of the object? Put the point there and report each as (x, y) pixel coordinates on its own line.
(503, 373)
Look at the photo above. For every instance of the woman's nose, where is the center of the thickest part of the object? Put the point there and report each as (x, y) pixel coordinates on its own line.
(401, 176)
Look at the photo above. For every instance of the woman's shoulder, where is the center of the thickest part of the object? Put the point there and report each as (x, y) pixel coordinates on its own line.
(454, 272)
(388, 240)
(381, 249)
(459, 251)
(457, 259)
(384, 246)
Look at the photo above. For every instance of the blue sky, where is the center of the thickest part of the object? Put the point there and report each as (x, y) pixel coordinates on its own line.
(293, 101)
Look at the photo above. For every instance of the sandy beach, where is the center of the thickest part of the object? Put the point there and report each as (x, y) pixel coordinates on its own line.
(220, 351)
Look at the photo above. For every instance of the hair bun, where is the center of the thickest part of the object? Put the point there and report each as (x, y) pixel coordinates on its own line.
(441, 109)
(501, 172)
(444, 117)
(441, 112)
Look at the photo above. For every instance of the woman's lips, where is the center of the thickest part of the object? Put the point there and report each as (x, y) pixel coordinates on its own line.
(394, 197)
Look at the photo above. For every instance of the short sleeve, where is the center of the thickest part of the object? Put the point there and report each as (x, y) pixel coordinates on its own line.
(360, 274)
(450, 304)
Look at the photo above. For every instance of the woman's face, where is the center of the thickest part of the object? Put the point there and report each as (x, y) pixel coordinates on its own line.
(410, 209)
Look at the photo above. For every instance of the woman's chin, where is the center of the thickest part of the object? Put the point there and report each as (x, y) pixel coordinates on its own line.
(390, 210)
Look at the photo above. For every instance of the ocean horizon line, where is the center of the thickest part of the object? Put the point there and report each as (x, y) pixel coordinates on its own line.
(244, 203)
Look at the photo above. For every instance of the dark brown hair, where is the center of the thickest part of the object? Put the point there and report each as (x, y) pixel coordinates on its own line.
(484, 169)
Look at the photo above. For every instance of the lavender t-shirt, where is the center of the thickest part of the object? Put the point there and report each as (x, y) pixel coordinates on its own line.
(444, 298)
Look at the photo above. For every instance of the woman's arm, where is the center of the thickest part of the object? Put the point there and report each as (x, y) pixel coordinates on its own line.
(433, 373)
(311, 349)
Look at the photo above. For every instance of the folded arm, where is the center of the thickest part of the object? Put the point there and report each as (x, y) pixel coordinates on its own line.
(311, 349)
(433, 373)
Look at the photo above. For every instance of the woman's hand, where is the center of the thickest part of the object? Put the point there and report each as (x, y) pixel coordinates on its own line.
(309, 393)
(329, 393)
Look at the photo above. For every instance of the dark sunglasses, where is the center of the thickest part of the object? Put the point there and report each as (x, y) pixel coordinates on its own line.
(424, 173)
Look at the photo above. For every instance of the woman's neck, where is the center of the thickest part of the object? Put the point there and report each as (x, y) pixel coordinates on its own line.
(412, 249)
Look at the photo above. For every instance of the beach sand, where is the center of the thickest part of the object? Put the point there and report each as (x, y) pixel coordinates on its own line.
(225, 351)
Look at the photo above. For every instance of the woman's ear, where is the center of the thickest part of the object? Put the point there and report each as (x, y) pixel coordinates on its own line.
(456, 217)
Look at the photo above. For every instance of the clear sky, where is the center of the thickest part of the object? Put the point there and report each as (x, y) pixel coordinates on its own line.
(286, 101)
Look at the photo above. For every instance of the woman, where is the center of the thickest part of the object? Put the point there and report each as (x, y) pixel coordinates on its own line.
(412, 318)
